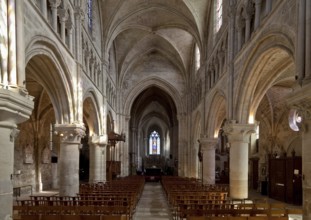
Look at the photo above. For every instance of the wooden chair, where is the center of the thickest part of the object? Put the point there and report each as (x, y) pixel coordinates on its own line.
(50, 217)
(258, 218)
(70, 217)
(294, 211)
(114, 217)
(237, 218)
(90, 217)
(30, 217)
(196, 218)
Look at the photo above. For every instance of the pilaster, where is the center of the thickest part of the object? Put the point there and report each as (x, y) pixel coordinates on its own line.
(239, 139)
(70, 141)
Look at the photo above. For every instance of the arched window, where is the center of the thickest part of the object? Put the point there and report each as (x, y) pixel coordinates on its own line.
(90, 15)
(217, 14)
(154, 143)
(197, 57)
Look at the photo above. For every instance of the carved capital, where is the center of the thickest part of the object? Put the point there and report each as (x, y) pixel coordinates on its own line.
(54, 3)
(69, 24)
(238, 132)
(208, 144)
(79, 13)
(100, 140)
(240, 23)
(257, 2)
(70, 132)
(249, 10)
(63, 14)
(232, 11)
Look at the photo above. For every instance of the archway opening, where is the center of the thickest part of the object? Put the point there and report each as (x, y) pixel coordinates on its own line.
(153, 132)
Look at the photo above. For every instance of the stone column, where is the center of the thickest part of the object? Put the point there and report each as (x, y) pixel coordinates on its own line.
(54, 4)
(300, 56)
(98, 148)
(182, 145)
(257, 13)
(44, 8)
(308, 41)
(208, 159)
(239, 139)
(14, 109)
(15, 104)
(240, 26)
(268, 6)
(63, 16)
(20, 44)
(70, 141)
(248, 13)
(230, 56)
(69, 27)
(300, 100)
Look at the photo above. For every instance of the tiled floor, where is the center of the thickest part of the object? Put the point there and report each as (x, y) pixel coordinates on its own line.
(152, 204)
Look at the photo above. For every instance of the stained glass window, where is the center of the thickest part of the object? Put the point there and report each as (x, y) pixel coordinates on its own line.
(154, 143)
(90, 15)
(197, 57)
(218, 14)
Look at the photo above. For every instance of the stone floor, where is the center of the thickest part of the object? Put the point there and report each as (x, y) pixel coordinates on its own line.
(152, 204)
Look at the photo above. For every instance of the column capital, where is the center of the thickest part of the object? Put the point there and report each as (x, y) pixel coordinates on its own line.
(54, 3)
(238, 132)
(79, 13)
(101, 140)
(232, 11)
(207, 143)
(249, 11)
(70, 132)
(240, 23)
(63, 14)
(15, 107)
(257, 2)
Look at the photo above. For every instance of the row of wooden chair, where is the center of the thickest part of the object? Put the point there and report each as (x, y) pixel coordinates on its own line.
(235, 218)
(104, 203)
(71, 217)
(273, 210)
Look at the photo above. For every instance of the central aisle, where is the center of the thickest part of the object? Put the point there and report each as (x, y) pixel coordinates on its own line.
(152, 204)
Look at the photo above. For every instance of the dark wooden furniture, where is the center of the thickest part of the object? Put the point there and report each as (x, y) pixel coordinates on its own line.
(113, 169)
(153, 174)
(285, 179)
